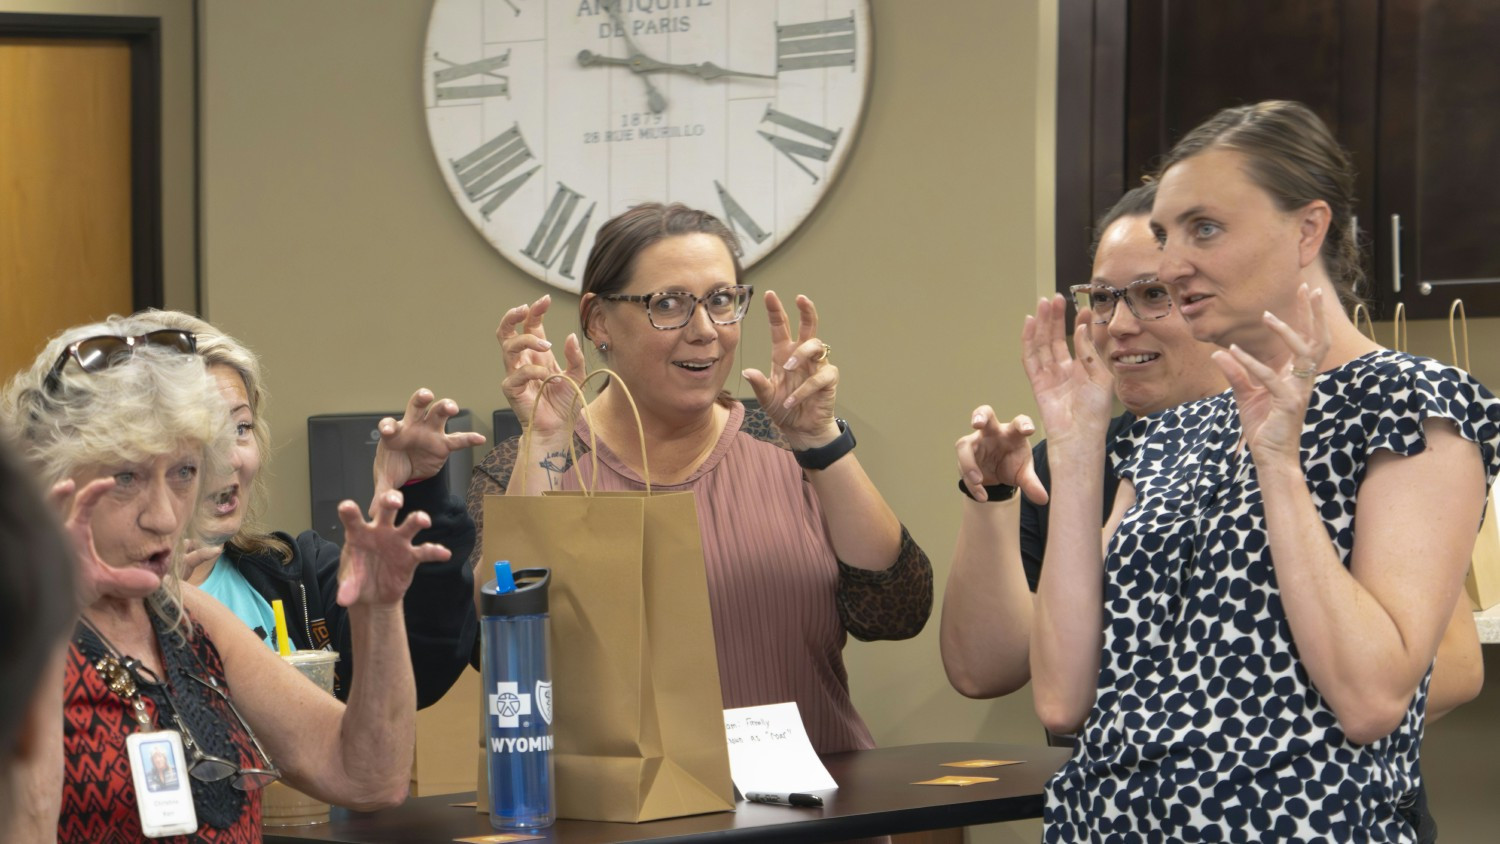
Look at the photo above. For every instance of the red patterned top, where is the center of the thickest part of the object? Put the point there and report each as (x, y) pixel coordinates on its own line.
(99, 805)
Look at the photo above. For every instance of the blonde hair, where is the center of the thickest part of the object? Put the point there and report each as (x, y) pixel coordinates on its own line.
(157, 402)
(219, 349)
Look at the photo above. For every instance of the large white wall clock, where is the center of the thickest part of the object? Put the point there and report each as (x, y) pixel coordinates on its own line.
(548, 117)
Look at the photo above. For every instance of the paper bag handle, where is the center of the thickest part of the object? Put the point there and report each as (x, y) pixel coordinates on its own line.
(640, 429)
(1403, 334)
(1363, 310)
(583, 409)
(1457, 309)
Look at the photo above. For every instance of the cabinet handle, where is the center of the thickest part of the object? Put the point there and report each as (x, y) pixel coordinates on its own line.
(1427, 287)
(1396, 253)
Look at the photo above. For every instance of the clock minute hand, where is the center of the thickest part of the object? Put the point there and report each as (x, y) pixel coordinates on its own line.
(646, 64)
(612, 8)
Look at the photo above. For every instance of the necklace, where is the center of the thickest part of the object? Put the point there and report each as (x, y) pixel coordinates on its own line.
(118, 673)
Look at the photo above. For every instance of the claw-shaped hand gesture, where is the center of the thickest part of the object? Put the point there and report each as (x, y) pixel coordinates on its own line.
(417, 446)
(1273, 402)
(96, 578)
(378, 560)
(1075, 394)
(541, 406)
(195, 554)
(998, 453)
(798, 394)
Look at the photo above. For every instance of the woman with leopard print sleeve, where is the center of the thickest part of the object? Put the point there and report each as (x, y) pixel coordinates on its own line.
(800, 549)
(1243, 658)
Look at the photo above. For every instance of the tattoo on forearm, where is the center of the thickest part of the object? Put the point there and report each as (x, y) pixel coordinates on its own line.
(555, 464)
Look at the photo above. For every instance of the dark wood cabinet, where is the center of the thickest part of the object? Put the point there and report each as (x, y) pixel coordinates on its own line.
(1410, 87)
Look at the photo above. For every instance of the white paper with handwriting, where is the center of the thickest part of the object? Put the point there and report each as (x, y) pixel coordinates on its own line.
(769, 750)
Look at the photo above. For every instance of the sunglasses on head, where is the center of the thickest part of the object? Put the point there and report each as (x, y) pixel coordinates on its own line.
(96, 354)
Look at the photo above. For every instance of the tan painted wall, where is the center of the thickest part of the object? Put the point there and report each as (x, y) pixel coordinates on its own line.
(331, 246)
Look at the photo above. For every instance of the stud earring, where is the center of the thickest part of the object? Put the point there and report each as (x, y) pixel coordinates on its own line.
(603, 347)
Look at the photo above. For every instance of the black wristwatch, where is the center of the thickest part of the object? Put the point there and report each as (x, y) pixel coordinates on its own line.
(996, 492)
(824, 455)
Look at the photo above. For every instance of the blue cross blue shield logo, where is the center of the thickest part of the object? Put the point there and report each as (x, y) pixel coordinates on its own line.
(507, 704)
(544, 699)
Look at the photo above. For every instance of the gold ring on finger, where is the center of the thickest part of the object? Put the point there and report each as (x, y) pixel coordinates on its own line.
(827, 350)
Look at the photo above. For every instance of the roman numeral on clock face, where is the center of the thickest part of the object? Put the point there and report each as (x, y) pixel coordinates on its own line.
(478, 171)
(738, 219)
(544, 244)
(800, 46)
(821, 151)
(442, 81)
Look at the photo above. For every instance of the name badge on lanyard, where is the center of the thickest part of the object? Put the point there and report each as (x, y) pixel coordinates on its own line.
(163, 793)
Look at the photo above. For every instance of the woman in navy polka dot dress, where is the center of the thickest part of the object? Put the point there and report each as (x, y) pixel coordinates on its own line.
(1248, 657)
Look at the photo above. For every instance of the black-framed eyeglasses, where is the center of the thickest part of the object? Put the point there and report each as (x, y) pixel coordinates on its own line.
(245, 779)
(1148, 299)
(96, 354)
(673, 309)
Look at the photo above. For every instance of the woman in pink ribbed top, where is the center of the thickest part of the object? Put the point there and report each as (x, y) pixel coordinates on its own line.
(800, 548)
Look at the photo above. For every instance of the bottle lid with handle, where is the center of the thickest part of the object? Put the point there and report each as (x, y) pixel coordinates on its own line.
(526, 595)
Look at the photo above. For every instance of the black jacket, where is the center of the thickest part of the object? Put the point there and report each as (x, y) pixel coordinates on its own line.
(440, 618)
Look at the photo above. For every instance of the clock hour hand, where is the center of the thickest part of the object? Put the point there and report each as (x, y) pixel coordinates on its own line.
(654, 100)
(645, 64)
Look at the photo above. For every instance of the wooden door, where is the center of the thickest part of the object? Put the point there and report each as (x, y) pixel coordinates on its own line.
(1439, 168)
(1134, 77)
(1409, 87)
(65, 189)
(1188, 60)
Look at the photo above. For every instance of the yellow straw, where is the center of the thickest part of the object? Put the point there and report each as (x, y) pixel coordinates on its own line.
(283, 646)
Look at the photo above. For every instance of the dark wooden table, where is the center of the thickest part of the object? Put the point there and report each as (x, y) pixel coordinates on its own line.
(875, 797)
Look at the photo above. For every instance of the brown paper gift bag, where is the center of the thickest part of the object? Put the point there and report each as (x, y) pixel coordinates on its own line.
(639, 726)
(1483, 582)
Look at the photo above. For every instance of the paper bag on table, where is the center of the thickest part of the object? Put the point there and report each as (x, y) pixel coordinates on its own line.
(638, 726)
(1483, 584)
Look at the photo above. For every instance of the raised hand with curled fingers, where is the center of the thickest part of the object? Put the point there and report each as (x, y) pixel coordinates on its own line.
(96, 578)
(998, 453)
(798, 393)
(541, 406)
(1075, 394)
(194, 554)
(378, 559)
(1273, 401)
(415, 447)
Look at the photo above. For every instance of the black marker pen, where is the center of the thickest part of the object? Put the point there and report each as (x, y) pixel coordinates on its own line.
(809, 801)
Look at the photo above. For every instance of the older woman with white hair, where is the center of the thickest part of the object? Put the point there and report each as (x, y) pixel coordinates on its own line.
(126, 422)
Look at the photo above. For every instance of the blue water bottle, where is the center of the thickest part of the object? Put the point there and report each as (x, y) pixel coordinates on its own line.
(518, 698)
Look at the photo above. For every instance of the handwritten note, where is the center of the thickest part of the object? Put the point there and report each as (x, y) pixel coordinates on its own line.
(769, 750)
